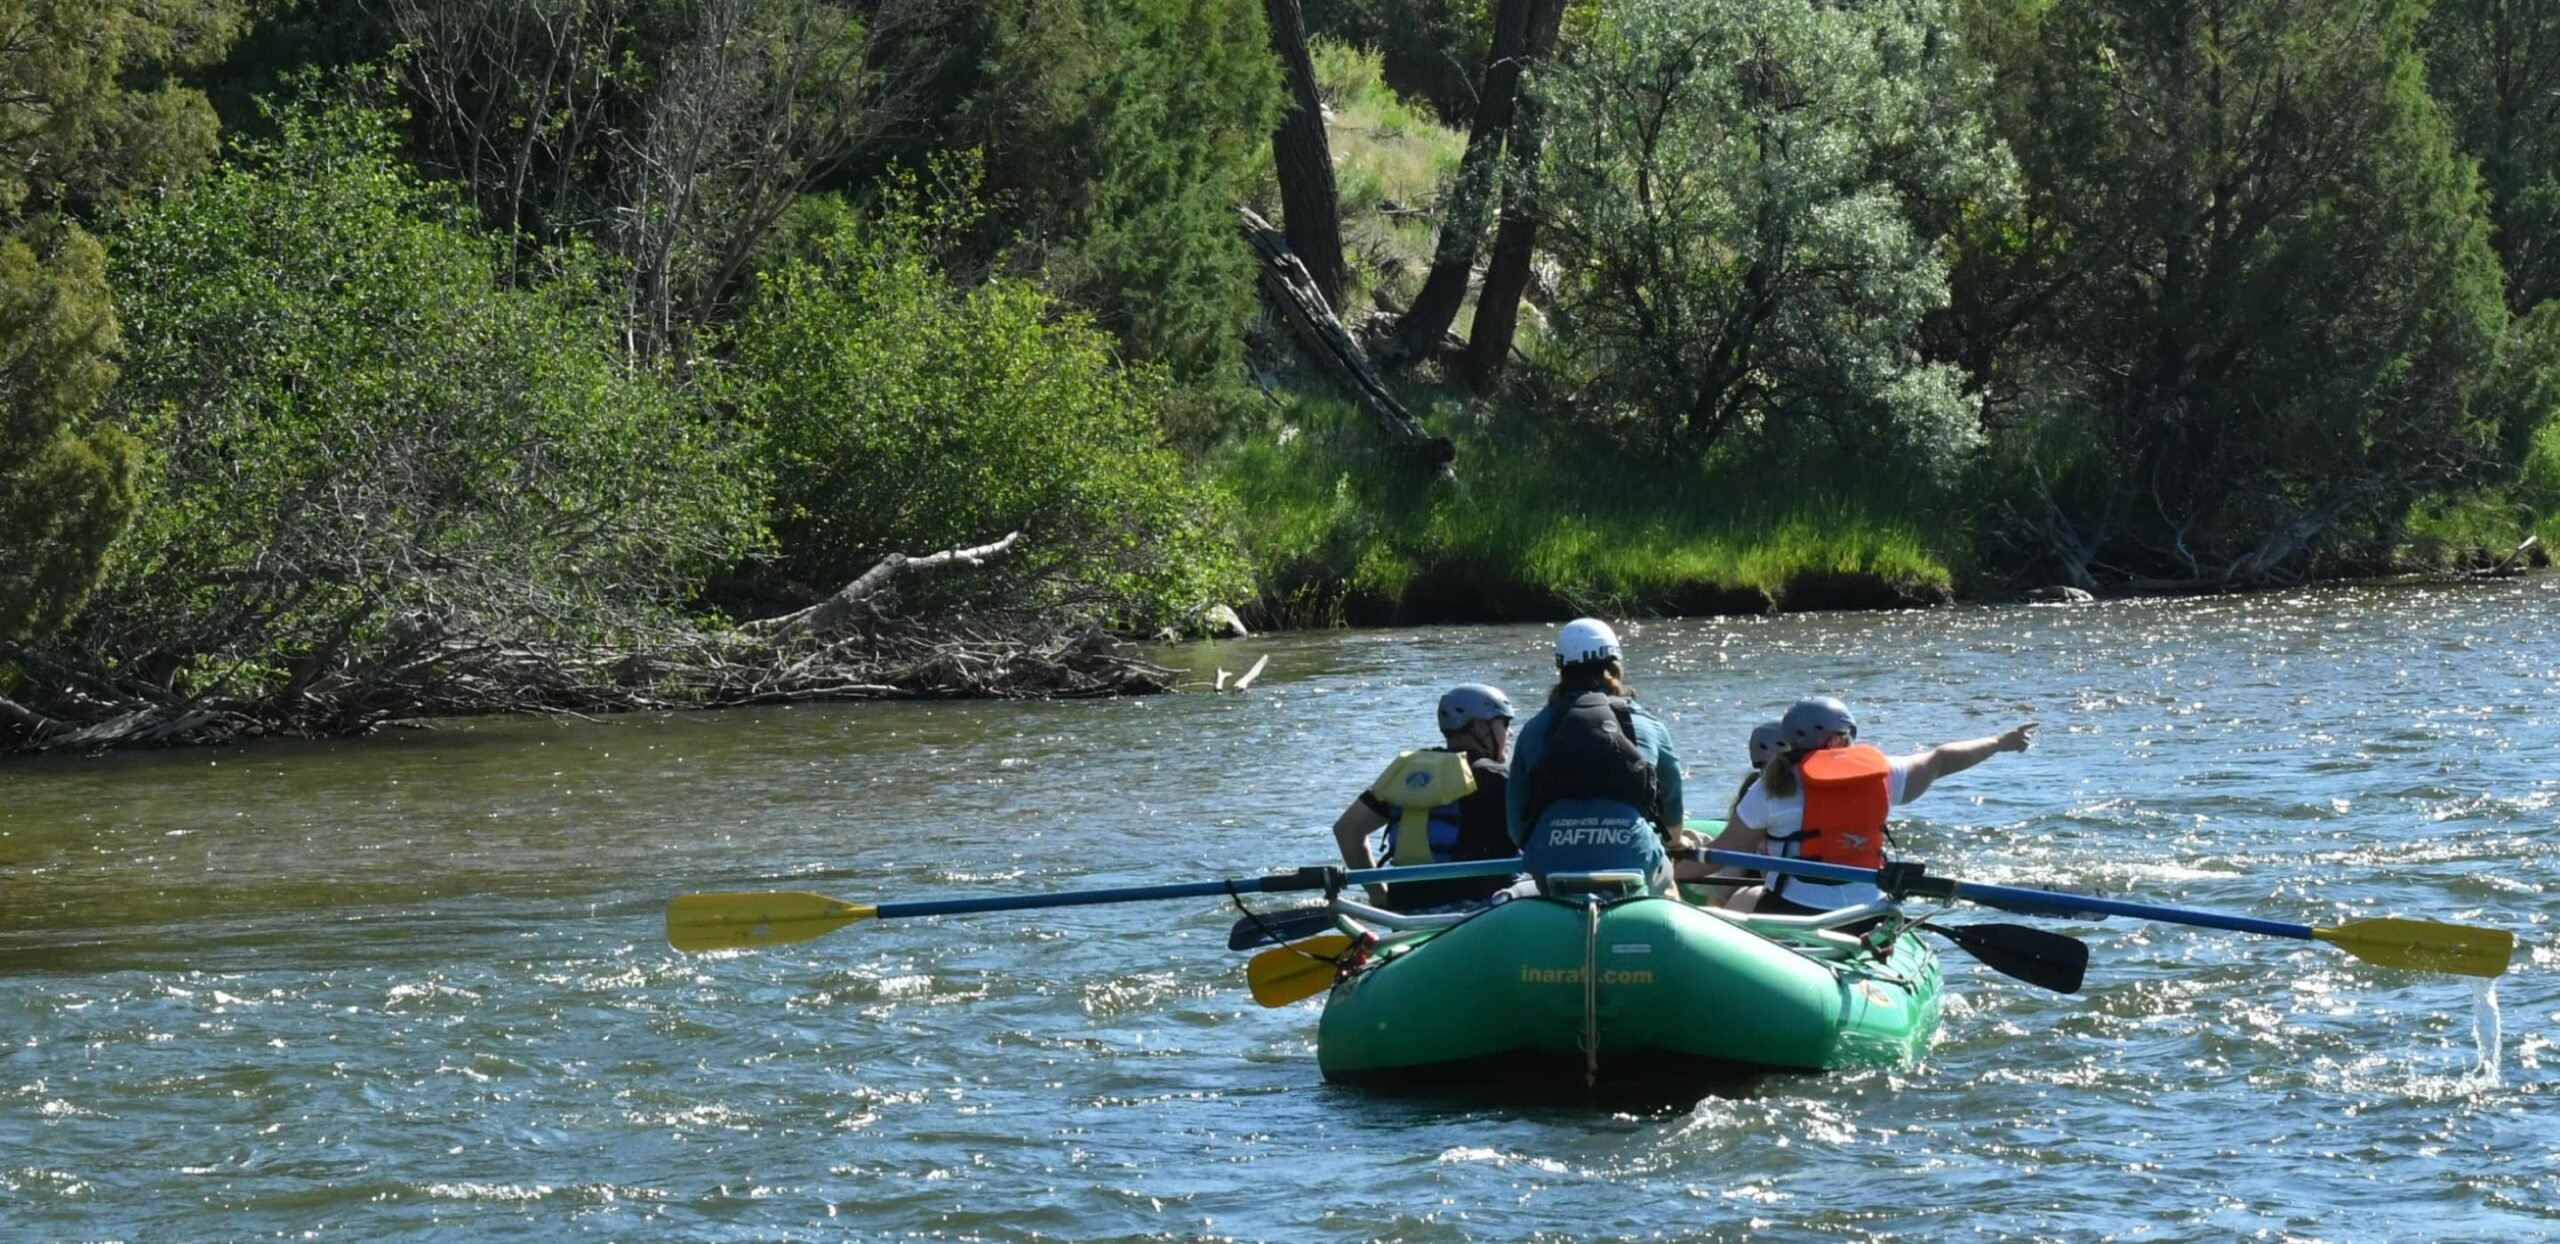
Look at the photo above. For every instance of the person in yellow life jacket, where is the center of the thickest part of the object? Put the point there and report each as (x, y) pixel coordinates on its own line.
(1440, 805)
(1825, 796)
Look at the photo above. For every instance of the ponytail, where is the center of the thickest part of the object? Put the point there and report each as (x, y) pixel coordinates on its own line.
(1779, 777)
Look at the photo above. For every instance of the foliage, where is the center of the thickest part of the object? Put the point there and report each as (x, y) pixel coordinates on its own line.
(672, 134)
(900, 414)
(77, 134)
(71, 128)
(362, 440)
(66, 483)
(1538, 529)
(1730, 191)
(2495, 64)
(1119, 135)
(2253, 263)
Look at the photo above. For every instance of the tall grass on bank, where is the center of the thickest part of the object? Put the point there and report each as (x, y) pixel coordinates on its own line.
(1392, 162)
(1538, 529)
(2482, 527)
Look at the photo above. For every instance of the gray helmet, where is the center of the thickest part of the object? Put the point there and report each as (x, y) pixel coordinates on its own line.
(1472, 702)
(1767, 739)
(1811, 723)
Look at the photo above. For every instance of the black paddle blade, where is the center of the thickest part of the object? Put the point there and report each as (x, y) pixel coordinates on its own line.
(2047, 960)
(1270, 928)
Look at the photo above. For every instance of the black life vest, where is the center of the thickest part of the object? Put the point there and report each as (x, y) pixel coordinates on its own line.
(1589, 751)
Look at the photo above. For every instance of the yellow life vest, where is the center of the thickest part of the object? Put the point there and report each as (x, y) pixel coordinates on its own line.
(1416, 783)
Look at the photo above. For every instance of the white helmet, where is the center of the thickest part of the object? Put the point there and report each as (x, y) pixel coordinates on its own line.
(1584, 640)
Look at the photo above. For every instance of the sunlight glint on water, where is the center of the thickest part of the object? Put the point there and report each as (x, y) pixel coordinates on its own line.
(414, 988)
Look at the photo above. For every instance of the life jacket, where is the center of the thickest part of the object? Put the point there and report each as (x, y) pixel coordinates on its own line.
(1425, 787)
(1468, 826)
(1848, 793)
(1592, 793)
(1589, 751)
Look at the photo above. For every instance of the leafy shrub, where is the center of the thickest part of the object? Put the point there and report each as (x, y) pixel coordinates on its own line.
(1730, 193)
(901, 414)
(356, 428)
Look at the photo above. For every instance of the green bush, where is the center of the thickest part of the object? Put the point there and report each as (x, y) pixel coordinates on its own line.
(66, 480)
(1731, 192)
(1541, 524)
(900, 414)
(351, 417)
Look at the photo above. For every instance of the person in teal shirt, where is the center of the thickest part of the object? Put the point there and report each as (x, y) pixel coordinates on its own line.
(1596, 782)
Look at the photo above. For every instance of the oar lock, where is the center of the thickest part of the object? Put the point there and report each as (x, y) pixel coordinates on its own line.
(1911, 879)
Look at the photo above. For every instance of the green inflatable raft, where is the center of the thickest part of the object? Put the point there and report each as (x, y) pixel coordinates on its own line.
(1592, 990)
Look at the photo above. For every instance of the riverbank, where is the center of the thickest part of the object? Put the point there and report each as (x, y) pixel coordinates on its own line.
(1540, 528)
(1537, 529)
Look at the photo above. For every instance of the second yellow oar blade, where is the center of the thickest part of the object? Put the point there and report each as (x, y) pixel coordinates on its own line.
(1297, 971)
(2425, 945)
(737, 919)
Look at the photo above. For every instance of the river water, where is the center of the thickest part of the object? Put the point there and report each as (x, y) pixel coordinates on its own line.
(414, 986)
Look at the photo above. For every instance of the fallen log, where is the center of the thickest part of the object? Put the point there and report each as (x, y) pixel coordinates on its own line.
(1286, 283)
(828, 617)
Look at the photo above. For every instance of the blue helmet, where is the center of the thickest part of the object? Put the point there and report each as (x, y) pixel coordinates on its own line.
(1767, 740)
(1813, 723)
(1471, 703)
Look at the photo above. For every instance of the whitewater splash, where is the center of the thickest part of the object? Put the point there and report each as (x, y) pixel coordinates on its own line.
(2485, 1029)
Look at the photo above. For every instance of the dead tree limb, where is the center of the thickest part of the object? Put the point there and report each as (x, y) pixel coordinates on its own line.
(1286, 283)
(827, 618)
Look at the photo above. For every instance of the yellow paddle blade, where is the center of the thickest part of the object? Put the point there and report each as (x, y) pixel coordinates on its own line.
(1295, 972)
(2426, 945)
(728, 921)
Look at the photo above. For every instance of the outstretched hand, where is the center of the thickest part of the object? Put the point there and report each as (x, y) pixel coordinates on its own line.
(2018, 739)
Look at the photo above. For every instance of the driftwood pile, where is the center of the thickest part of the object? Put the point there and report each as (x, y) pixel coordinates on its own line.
(844, 647)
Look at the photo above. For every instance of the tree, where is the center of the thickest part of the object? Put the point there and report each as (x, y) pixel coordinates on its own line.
(1506, 271)
(1119, 135)
(2250, 286)
(66, 479)
(90, 113)
(1471, 196)
(2496, 66)
(1311, 209)
(1729, 191)
(901, 413)
(373, 455)
(675, 133)
(83, 126)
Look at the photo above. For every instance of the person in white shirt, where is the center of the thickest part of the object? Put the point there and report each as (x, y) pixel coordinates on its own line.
(1826, 797)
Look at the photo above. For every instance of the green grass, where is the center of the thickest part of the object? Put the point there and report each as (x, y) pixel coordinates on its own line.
(1337, 533)
(1391, 163)
(2484, 526)
(2538, 490)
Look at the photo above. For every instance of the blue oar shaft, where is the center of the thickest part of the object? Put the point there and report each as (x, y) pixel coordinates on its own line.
(2018, 898)
(1276, 883)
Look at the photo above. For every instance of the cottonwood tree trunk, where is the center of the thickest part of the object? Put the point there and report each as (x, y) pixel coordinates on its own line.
(1462, 218)
(1506, 274)
(1310, 206)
